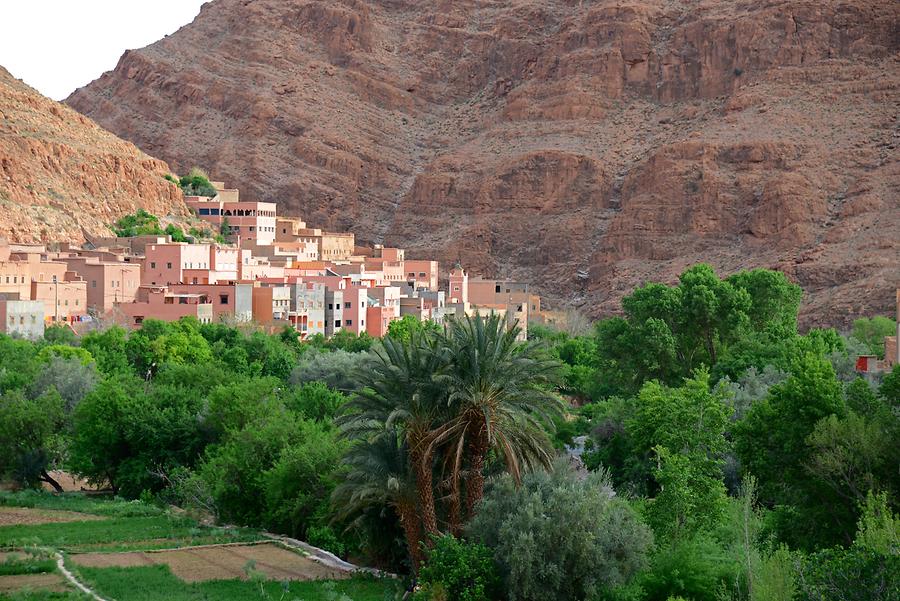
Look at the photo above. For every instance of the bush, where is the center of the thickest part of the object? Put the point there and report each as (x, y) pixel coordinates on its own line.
(196, 183)
(697, 569)
(139, 223)
(557, 537)
(459, 570)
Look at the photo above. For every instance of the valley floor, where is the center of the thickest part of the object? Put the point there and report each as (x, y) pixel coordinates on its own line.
(133, 551)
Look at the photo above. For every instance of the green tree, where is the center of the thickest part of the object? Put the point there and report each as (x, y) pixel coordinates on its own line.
(560, 537)
(299, 484)
(402, 329)
(29, 431)
(771, 443)
(139, 223)
(872, 332)
(685, 429)
(107, 347)
(378, 474)
(501, 398)
(460, 570)
(399, 391)
(18, 363)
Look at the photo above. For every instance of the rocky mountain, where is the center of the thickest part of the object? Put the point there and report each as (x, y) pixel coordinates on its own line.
(62, 176)
(583, 145)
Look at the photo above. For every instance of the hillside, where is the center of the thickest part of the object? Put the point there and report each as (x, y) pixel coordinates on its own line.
(585, 146)
(62, 175)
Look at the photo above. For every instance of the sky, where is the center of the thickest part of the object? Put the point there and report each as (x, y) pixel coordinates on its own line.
(57, 46)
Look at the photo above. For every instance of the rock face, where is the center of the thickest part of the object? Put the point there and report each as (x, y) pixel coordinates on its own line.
(545, 140)
(63, 177)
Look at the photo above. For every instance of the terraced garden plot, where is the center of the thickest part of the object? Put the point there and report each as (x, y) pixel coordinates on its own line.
(44, 582)
(26, 516)
(198, 564)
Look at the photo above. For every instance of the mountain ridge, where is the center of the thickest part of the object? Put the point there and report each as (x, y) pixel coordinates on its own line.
(64, 178)
(542, 141)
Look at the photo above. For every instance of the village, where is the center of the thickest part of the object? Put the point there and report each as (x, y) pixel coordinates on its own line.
(271, 271)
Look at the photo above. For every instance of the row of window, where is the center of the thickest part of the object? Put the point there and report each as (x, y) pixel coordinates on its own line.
(337, 323)
(12, 320)
(347, 305)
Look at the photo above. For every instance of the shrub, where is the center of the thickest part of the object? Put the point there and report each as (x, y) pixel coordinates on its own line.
(460, 570)
(196, 183)
(557, 537)
(139, 223)
(696, 568)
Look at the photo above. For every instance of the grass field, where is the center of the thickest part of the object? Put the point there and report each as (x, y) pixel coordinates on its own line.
(136, 526)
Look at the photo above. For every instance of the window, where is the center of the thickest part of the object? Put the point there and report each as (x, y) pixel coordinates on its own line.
(223, 299)
(337, 323)
(152, 264)
(331, 306)
(168, 266)
(421, 274)
(93, 283)
(456, 288)
(507, 290)
(349, 322)
(204, 211)
(347, 306)
(54, 279)
(138, 319)
(497, 288)
(362, 323)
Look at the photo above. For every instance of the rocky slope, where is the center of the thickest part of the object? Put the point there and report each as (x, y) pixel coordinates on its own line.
(62, 176)
(586, 146)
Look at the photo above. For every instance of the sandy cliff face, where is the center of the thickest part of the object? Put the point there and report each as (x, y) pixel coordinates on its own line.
(62, 176)
(540, 140)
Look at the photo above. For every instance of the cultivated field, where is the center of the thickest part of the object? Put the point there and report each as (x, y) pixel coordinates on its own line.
(131, 551)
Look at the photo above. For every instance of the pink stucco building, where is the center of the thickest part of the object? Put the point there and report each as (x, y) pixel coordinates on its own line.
(158, 302)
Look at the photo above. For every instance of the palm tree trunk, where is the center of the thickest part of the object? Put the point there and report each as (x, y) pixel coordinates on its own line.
(409, 521)
(475, 482)
(425, 487)
(454, 510)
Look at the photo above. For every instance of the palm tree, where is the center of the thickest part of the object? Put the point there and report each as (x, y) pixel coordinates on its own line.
(400, 393)
(500, 397)
(379, 476)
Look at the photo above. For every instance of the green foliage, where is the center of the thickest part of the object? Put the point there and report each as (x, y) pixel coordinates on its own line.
(157, 583)
(402, 329)
(59, 334)
(772, 445)
(300, 483)
(460, 570)
(696, 568)
(890, 388)
(139, 223)
(176, 233)
(314, 400)
(872, 331)
(684, 428)
(125, 435)
(668, 332)
(18, 364)
(71, 378)
(854, 574)
(107, 347)
(196, 183)
(559, 537)
(29, 429)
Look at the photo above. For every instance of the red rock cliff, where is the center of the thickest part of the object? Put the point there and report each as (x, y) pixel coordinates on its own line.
(62, 176)
(540, 139)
